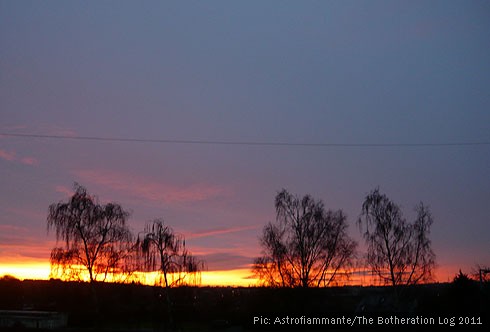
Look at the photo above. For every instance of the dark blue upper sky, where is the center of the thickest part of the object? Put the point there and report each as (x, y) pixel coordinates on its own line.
(268, 71)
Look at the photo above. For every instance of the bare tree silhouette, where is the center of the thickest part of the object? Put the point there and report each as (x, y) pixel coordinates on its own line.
(399, 253)
(95, 238)
(306, 247)
(481, 273)
(164, 251)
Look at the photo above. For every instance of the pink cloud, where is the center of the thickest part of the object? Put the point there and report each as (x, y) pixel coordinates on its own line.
(214, 232)
(16, 127)
(12, 156)
(24, 214)
(18, 241)
(64, 190)
(7, 155)
(29, 161)
(40, 250)
(149, 189)
(49, 129)
(12, 228)
(204, 250)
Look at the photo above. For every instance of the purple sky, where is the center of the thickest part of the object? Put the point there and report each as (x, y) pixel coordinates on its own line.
(263, 71)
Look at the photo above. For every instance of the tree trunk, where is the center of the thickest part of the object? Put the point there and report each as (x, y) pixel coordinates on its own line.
(95, 302)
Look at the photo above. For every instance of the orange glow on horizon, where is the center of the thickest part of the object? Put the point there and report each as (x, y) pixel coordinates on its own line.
(41, 271)
(32, 270)
(237, 277)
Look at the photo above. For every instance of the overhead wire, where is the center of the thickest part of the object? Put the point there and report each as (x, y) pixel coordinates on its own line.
(245, 143)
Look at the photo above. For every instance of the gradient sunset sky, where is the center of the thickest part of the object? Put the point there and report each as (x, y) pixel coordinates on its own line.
(320, 72)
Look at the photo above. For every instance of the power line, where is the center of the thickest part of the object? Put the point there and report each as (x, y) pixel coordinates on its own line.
(249, 143)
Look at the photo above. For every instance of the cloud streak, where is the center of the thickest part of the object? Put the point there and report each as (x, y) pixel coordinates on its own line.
(226, 261)
(12, 157)
(29, 161)
(17, 242)
(7, 155)
(149, 189)
(219, 231)
(64, 190)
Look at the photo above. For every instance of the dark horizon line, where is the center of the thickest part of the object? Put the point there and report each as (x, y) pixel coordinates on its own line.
(223, 286)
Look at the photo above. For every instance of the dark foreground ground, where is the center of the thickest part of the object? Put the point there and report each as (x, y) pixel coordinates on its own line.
(120, 307)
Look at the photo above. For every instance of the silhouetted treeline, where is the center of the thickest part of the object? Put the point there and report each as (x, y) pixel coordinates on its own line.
(134, 306)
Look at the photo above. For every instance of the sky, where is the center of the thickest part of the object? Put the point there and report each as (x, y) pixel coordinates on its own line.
(371, 76)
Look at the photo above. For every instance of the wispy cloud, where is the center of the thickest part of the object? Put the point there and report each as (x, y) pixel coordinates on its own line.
(64, 190)
(29, 161)
(150, 189)
(16, 241)
(14, 128)
(219, 231)
(11, 228)
(24, 213)
(226, 261)
(7, 155)
(12, 157)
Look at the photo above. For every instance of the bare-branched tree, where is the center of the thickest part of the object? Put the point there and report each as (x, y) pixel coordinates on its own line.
(481, 273)
(399, 252)
(95, 241)
(163, 251)
(306, 247)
